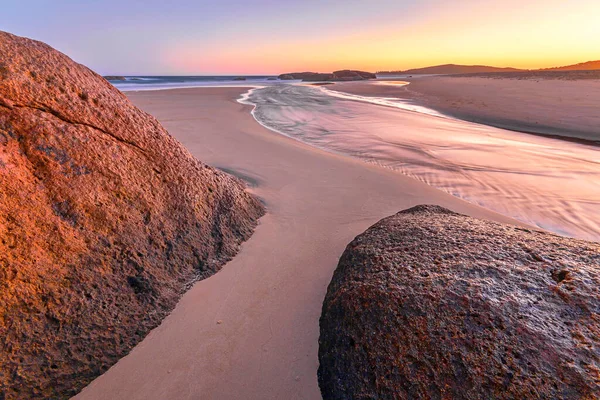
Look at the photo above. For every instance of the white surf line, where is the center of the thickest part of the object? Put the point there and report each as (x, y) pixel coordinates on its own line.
(245, 99)
(158, 87)
(393, 102)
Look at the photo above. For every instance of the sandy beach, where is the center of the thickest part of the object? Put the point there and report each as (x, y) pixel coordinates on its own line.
(211, 201)
(252, 329)
(551, 107)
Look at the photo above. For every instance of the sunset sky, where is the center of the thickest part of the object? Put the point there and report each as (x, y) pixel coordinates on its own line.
(268, 37)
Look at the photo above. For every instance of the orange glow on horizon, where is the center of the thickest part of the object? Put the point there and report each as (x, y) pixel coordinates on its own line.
(501, 33)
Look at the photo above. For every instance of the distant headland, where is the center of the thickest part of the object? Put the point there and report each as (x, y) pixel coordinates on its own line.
(337, 76)
(447, 69)
(114, 78)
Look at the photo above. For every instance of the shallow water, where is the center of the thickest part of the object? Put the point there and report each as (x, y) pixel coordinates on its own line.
(139, 83)
(549, 183)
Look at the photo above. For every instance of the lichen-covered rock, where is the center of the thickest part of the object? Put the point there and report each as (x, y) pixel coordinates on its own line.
(429, 304)
(104, 220)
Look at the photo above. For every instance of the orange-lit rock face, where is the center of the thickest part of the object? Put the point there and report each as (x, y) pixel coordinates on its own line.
(429, 304)
(104, 218)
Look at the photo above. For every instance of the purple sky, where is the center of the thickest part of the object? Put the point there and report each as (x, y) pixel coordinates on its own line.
(267, 36)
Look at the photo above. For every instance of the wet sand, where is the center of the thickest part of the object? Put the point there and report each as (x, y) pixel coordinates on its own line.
(251, 331)
(549, 183)
(554, 107)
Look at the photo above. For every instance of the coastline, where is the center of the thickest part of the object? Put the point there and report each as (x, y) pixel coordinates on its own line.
(525, 106)
(422, 94)
(253, 327)
(515, 174)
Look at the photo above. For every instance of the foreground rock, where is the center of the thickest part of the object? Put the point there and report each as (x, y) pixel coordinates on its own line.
(104, 220)
(337, 76)
(432, 304)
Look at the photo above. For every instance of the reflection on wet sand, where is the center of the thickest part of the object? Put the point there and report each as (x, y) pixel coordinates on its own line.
(546, 182)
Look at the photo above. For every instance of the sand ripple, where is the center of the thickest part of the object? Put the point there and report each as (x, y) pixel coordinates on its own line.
(549, 183)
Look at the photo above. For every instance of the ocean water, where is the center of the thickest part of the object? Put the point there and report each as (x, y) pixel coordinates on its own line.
(135, 83)
(548, 183)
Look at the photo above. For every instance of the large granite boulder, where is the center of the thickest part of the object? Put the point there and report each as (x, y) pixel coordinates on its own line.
(429, 304)
(104, 221)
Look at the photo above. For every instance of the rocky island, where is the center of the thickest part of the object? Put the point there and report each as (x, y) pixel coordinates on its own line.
(337, 76)
(433, 304)
(105, 219)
